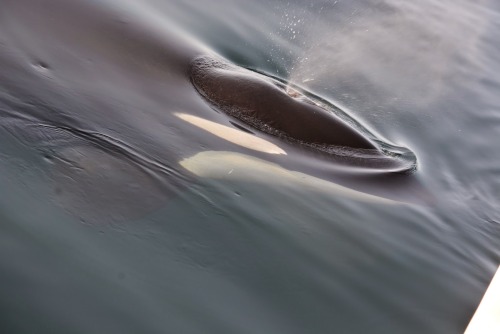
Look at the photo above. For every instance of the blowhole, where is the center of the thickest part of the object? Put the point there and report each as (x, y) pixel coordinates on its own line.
(41, 66)
(293, 92)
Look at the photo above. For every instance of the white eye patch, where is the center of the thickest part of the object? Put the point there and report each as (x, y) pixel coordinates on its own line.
(232, 135)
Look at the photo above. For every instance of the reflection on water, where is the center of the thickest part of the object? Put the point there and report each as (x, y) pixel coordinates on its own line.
(248, 244)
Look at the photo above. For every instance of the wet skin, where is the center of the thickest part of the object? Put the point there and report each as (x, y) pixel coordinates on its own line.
(258, 101)
(92, 90)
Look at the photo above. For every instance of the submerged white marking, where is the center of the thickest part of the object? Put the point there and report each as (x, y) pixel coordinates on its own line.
(237, 166)
(232, 135)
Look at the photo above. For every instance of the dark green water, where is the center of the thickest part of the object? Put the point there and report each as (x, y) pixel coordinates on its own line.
(270, 255)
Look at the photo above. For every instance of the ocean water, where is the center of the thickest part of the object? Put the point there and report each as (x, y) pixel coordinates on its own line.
(254, 251)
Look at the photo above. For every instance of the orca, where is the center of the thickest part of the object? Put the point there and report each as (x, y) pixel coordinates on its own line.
(110, 101)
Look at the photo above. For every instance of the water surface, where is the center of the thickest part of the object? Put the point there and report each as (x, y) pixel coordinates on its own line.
(266, 254)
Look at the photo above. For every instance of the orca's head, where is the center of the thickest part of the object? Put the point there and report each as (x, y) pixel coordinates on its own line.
(292, 114)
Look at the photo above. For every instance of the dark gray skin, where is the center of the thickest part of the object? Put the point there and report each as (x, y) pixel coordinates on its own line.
(260, 102)
(89, 90)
